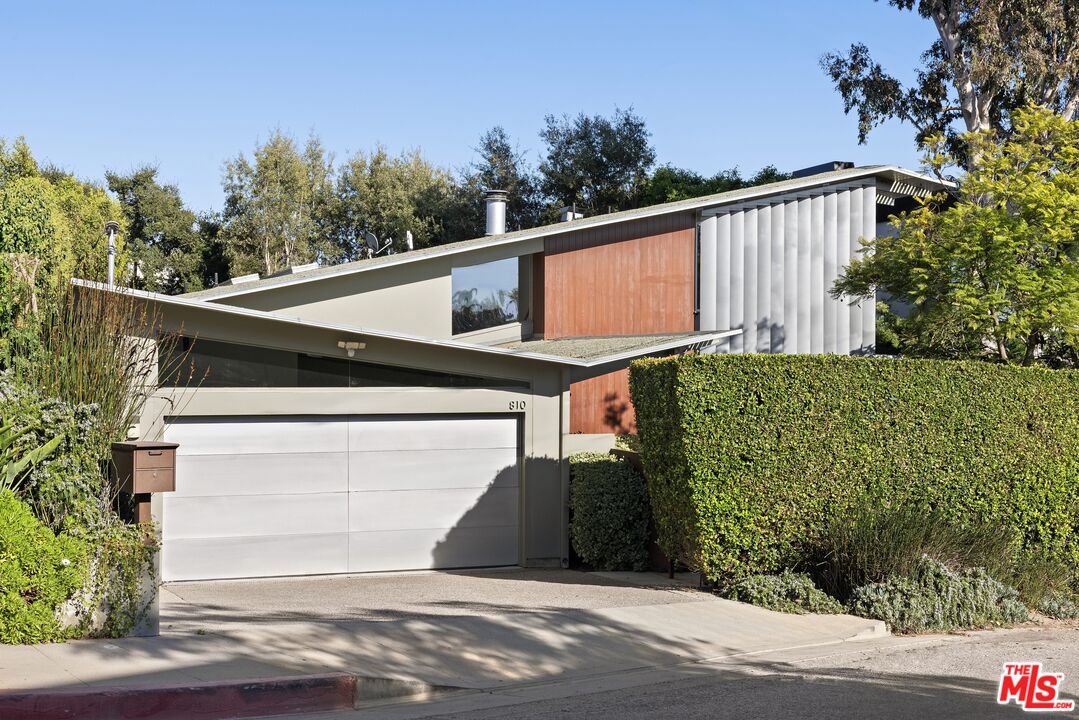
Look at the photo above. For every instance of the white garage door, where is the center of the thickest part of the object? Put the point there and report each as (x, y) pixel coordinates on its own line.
(258, 497)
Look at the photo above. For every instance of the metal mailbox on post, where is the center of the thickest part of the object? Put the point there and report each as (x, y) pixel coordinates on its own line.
(143, 467)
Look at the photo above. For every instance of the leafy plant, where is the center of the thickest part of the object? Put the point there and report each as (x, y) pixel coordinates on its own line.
(787, 592)
(609, 512)
(39, 572)
(934, 597)
(877, 540)
(750, 457)
(14, 460)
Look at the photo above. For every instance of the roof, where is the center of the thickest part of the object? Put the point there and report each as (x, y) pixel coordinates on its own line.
(583, 352)
(899, 176)
(592, 348)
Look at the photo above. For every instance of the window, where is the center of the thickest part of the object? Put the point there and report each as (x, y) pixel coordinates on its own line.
(215, 364)
(485, 295)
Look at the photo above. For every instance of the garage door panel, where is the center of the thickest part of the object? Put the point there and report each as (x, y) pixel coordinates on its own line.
(427, 549)
(241, 436)
(431, 509)
(434, 469)
(261, 473)
(244, 515)
(431, 434)
(267, 556)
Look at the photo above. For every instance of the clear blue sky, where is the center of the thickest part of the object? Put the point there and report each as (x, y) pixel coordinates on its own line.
(96, 86)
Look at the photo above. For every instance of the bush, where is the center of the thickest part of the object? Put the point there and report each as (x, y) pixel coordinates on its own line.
(609, 512)
(39, 572)
(936, 598)
(748, 457)
(875, 541)
(1060, 606)
(787, 592)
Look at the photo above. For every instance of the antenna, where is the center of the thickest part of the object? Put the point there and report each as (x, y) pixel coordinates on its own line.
(408, 239)
(371, 241)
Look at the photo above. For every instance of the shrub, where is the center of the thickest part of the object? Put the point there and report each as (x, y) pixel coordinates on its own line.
(1060, 606)
(39, 572)
(749, 456)
(875, 541)
(787, 592)
(609, 512)
(936, 598)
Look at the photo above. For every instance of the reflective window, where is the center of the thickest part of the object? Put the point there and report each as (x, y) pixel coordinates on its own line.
(485, 295)
(215, 364)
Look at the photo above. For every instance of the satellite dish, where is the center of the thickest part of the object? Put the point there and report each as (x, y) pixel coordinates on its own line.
(408, 239)
(373, 248)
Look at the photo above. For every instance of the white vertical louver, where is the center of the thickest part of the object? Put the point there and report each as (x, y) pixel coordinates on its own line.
(768, 270)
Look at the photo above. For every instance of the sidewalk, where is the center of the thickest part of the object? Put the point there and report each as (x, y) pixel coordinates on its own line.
(467, 630)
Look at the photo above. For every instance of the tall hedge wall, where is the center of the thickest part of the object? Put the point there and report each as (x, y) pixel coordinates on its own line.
(748, 455)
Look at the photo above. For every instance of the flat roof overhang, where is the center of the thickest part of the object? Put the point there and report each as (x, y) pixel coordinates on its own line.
(592, 363)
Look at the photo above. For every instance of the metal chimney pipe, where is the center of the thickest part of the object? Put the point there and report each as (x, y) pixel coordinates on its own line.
(111, 228)
(496, 211)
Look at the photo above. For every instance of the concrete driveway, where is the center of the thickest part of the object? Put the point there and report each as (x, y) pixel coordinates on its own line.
(476, 630)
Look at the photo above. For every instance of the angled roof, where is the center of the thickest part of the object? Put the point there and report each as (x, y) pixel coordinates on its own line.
(898, 176)
(583, 353)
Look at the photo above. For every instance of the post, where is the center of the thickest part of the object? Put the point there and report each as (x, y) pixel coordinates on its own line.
(111, 228)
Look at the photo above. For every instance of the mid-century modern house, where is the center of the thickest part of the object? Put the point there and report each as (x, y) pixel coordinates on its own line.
(416, 410)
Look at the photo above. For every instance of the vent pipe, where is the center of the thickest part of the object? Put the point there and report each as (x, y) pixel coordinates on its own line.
(496, 211)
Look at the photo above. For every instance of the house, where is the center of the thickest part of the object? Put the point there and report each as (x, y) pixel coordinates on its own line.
(416, 410)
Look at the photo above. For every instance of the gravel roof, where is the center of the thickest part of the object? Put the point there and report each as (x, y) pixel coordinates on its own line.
(590, 348)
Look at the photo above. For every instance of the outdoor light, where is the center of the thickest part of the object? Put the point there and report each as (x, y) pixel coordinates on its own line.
(351, 346)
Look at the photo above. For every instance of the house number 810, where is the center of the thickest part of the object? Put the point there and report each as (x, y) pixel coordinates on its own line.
(517, 404)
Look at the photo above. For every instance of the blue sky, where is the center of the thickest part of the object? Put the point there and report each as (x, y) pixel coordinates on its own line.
(186, 85)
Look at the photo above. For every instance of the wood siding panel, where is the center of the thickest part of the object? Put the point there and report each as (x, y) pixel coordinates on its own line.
(633, 278)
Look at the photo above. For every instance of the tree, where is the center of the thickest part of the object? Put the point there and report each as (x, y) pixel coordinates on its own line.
(165, 244)
(51, 230)
(389, 196)
(273, 204)
(990, 58)
(596, 163)
(994, 271)
(669, 183)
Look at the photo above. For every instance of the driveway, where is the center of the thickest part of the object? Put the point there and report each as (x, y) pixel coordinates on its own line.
(477, 630)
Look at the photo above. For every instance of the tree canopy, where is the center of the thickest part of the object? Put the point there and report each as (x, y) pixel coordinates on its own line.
(994, 271)
(989, 59)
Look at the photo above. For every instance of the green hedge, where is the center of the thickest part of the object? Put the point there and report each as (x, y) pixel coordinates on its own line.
(747, 456)
(609, 512)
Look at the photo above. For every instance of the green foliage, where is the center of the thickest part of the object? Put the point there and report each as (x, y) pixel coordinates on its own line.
(749, 457)
(609, 512)
(875, 540)
(989, 59)
(668, 184)
(39, 572)
(595, 162)
(996, 272)
(1059, 606)
(935, 598)
(274, 205)
(165, 241)
(15, 458)
(787, 592)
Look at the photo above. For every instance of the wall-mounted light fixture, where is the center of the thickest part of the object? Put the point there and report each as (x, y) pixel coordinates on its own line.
(351, 346)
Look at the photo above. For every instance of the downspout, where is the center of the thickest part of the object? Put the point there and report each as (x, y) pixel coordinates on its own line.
(563, 464)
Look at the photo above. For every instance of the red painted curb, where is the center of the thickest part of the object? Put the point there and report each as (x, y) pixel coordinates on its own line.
(205, 701)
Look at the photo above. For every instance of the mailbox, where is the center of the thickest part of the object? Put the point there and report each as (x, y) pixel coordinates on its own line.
(144, 467)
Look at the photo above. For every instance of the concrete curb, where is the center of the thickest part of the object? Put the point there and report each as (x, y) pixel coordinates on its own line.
(213, 700)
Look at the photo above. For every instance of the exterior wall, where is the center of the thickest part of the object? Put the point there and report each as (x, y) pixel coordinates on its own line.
(767, 268)
(543, 529)
(632, 278)
(413, 297)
